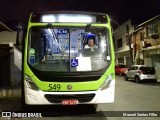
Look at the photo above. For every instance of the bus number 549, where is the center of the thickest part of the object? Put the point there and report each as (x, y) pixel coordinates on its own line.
(54, 87)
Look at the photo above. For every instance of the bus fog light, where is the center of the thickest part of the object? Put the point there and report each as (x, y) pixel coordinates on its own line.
(30, 83)
(106, 83)
(32, 97)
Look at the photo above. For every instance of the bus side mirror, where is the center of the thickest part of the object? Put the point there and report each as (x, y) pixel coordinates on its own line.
(20, 33)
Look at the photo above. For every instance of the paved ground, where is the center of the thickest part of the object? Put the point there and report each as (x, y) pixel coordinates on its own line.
(129, 96)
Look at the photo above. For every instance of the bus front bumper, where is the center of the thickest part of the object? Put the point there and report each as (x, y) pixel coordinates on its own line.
(39, 97)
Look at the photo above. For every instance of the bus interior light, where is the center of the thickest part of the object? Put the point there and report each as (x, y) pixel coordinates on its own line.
(68, 18)
(48, 18)
(65, 18)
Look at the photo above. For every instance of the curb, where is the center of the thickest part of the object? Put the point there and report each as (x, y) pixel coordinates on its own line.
(8, 93)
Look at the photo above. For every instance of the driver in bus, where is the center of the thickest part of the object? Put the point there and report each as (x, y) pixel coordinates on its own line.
(90, 44)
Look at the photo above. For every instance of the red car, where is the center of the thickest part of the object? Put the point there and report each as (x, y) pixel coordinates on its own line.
(120, 69)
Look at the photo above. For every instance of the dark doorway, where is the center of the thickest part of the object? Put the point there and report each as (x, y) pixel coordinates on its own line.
(4, 66)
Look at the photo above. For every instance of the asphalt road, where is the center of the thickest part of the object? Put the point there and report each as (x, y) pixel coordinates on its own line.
(140, 99)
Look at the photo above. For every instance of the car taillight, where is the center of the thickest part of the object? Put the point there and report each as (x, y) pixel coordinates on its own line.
(140, 72)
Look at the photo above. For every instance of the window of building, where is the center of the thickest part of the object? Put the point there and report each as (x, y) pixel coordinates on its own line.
(119, 43)
(121, 60)
(152, 29)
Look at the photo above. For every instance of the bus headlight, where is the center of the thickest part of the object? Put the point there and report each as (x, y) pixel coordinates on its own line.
(30, 84)
(107, 82)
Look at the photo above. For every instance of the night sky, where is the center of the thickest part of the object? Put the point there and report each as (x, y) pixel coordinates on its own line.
(118, 10)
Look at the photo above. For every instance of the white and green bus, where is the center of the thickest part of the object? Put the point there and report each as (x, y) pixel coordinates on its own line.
(57, 67)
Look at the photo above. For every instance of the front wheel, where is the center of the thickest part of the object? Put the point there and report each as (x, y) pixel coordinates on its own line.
(137, 79)
(155, 81)
(95, 108)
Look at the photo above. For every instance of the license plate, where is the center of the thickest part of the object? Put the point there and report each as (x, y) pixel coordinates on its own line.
(70, 102)
(148, 76)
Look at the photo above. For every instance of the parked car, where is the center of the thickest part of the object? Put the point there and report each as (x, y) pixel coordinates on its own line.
(120, 69)
(140, 73)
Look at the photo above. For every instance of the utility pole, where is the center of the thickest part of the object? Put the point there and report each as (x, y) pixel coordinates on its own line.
(129, 41)
(143, 46)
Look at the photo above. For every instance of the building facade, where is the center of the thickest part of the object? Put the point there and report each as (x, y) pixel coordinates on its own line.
(10, 74)
(146, 44)
(122, 37)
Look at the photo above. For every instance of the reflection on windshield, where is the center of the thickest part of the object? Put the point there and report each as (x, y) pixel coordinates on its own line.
(68, 49)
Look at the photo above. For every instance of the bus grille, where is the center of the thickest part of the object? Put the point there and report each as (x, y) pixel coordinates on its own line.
(80, 97)
(71, 79)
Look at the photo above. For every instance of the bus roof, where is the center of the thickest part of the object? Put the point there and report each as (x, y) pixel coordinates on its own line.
(69, 16)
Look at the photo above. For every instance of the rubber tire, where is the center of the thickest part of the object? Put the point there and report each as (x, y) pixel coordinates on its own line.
(155, 81)
(95, 108)
(137, 79)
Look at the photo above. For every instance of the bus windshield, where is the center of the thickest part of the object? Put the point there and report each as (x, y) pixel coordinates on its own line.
(68, 49)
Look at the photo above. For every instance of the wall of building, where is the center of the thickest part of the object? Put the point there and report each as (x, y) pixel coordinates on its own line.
(147, 48)
(13, 72)
(8, 37)
(145, 42)
(122, 54)
(121, 32)
(18, 58)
